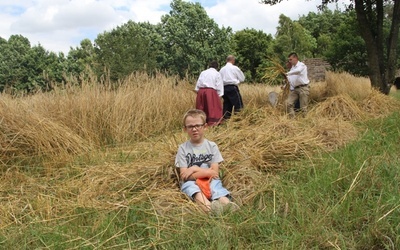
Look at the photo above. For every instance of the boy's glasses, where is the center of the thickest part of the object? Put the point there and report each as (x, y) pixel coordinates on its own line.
(196, 126)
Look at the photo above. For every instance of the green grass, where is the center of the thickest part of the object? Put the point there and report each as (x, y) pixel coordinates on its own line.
(395, 94)
(348, 199)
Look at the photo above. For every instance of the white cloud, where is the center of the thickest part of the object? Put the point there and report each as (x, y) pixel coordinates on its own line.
(145, 11)
(50, 16)
(60, 24)
(241, 14)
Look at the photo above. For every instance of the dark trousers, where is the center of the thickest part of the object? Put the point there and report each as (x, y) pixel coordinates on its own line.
(232, 100)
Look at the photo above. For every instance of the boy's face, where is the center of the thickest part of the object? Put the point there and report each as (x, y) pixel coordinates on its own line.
(195, 128)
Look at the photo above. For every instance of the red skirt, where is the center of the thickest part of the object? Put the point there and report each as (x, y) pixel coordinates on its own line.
(208, 100)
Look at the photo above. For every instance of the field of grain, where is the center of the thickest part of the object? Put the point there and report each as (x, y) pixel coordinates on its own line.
(107, 148)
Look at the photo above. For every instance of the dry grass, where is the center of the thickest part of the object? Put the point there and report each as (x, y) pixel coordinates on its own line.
(276, 76)
(377, 104)
(341, 107)
(25, 133)
(358, 88)
(142, 120)
(76, 120)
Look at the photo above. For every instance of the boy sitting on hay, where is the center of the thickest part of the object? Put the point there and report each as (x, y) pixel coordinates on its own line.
(197, 160)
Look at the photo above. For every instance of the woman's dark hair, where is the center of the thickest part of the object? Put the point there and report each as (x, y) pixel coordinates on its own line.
(213, 64)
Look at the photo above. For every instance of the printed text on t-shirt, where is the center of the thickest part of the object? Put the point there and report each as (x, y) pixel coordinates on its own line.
(194, 160)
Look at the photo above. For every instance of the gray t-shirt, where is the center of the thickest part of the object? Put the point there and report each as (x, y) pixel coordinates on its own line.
(202, 155)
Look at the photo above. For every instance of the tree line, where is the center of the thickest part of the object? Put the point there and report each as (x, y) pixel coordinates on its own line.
(183, 43)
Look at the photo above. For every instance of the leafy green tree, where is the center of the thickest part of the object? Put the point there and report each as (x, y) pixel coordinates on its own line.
(381, 49)
(251, 49)
(322, 26)
(192, 39)
(128, 48)
(55, 69)
(80, 58)
(292, 37)
(347, 50)
(13, 71)
(25, 68)
(36, 69)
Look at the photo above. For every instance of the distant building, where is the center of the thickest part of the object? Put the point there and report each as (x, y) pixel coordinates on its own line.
(317, 68)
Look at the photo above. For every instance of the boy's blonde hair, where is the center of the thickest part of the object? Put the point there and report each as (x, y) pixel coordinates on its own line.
(195, 113)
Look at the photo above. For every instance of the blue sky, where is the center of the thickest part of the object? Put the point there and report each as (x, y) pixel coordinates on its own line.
(60, 24)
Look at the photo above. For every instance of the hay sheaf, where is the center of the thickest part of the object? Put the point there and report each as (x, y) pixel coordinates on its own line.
(263, 140)
(341, 107)
(333, 134)
(24, 134)
(346, 84)
(377, 104)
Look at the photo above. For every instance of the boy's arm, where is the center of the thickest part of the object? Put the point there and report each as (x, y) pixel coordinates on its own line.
(186, 173)
(211, 172)
(215, 168)
(196, 172)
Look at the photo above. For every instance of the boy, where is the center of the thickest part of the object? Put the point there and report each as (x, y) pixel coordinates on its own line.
(198, 158)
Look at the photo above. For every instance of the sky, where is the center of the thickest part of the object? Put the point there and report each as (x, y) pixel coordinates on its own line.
(59, 25)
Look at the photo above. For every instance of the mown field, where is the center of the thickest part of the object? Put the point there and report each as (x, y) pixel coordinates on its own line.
(92, 167)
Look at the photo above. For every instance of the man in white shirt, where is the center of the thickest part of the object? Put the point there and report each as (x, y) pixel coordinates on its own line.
(299, 85)
(210, 88)
(232, 76)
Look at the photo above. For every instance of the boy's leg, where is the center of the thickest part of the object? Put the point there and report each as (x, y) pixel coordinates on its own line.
(202, 201)
(224, 200)
(227, 205)
(222, 196)
(191, 189)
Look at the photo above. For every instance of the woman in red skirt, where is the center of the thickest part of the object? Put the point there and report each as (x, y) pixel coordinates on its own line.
(209, 90)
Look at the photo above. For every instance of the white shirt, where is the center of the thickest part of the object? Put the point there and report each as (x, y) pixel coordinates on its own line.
(231, 74)
(210, 78)
(297, 75)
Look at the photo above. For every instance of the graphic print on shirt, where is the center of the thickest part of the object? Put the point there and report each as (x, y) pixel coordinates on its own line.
(198, 157)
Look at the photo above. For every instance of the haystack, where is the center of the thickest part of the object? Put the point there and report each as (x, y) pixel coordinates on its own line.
(25, 134)
(333, 133)
(341, 107)
(377, 104)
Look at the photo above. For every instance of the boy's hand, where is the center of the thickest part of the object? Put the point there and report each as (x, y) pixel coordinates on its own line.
(214, 174)
(185, 174)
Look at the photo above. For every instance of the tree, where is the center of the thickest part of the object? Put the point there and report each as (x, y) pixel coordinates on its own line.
(322, 26)
(251, 48)
(381, 50)
(192, 39)
(14, 74)
(80, 57)
(347, 50)
(41, 69)
(370, 16)
(291, 36)
(25, 68)
(128, 48)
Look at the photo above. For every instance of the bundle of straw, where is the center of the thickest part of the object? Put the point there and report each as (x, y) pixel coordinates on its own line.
(338, 107)
(274, 74)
